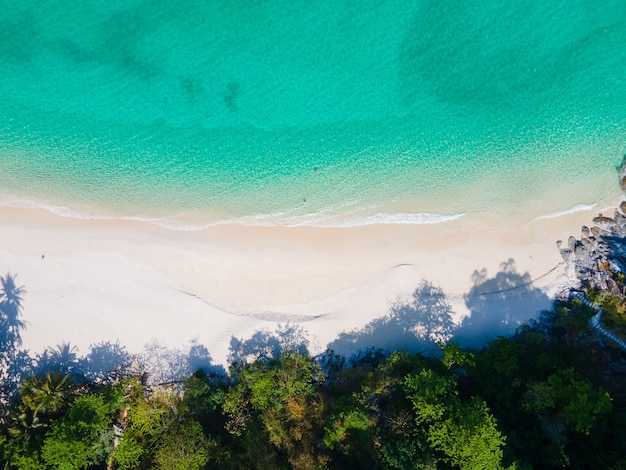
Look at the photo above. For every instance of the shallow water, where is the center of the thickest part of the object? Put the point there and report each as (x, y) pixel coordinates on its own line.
(293, 113)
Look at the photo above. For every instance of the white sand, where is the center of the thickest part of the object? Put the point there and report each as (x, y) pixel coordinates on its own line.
(134, 281)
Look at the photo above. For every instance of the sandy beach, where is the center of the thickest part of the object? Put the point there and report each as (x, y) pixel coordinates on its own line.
(96, 280)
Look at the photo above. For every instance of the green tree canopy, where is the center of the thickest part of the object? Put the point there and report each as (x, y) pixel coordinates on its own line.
(465, 434)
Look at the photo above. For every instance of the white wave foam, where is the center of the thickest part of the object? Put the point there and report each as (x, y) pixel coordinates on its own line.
(320, 219)
(64, 211)
(576, 208)
(325, 219)
(401, 218)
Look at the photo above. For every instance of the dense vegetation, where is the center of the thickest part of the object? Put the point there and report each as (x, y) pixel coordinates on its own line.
(548, 397)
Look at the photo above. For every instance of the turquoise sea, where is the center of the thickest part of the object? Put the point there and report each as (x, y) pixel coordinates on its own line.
(299, 112)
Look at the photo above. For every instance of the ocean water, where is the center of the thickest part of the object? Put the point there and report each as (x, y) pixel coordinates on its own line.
(320, 113)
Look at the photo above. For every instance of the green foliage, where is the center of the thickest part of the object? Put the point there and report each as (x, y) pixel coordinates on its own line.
(264, 391)
(278, 400)
(160, 431)
(371, 424)
(455, 357)
(113, 398)
(200, 397)
(469, 437)
(465, 433)
(26, 461)
(82, 437)
(535, 400)
(147, 420)
(569, 397)
(269, 386)
(403, 454)
(47, 394)
(614, 317)
(498, 369)
(430, 393)
(345, 426)
(40, 400)
(185, 449)
(571, 321)
(128, 453)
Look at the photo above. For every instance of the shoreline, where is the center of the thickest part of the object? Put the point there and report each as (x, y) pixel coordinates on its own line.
(133, 281)
(515, 209)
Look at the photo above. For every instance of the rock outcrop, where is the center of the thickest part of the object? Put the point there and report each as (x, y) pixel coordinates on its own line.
(600, 253)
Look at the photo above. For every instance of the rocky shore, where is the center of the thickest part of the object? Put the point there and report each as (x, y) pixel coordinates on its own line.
(599, 256)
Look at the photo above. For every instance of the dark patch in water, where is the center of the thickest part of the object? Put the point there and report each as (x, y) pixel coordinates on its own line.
(194, 89)
(231, 95)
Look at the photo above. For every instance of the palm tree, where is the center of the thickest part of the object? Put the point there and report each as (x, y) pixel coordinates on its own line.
(11, 308)
(42, 398)
(47, 394)
(23, 426)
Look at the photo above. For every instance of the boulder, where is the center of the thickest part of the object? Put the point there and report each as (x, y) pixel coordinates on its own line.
(604, 222)
(571, 243)
(600, 250)
(566, 254)
(599, 232)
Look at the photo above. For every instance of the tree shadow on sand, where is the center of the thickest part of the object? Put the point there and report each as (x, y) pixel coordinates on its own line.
(11, 375)
(61, 358)
(267, 345)
(15, 364)
(499, 305)
(106, 361)
(415, 325)
(166, 365)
